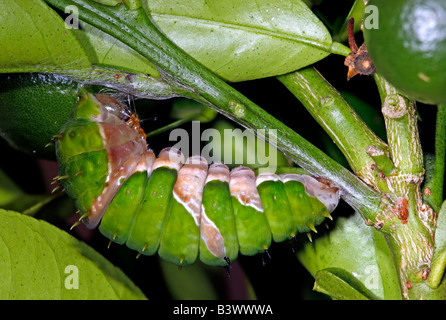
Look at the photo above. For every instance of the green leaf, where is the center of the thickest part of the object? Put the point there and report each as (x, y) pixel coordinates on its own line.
(40, 261)
(439, 258)
(109, 2)
(192, 282)
(9, 191)
(34, 37)
(13, 198)
(34, 106)
(359, 250)
(435, 165)
(234, 37)
(102, 49)
(190, 109)
(356, 12)
(340, 285)
(202, 282)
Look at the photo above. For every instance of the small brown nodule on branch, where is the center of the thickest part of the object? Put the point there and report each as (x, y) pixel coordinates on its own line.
(358, 61)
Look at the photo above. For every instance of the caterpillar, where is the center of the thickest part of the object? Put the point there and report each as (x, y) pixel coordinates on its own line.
(181, 208)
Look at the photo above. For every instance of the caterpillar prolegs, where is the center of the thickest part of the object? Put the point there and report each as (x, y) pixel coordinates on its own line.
(181, 208)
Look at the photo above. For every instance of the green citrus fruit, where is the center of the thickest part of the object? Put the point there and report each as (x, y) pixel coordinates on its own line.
(408, 47)
(33, 107)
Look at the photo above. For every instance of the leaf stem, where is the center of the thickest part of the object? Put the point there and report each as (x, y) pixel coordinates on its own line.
(411, 235)
(337, 118)
(402, 128)
(171, 126)
(339, 48)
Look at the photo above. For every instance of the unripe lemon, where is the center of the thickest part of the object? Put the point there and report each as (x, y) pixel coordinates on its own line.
(33, 107)
(408, 47)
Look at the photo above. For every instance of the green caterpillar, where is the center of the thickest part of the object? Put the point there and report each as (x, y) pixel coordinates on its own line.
(178, 207)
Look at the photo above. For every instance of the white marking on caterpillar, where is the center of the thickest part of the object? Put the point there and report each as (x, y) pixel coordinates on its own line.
(211, 236)
(266, 176)
(209, 232)
(188, 189)
(146, 162)
(169, 157)
(218, 171)
(115, 180)
(243, 186)
(325, 193)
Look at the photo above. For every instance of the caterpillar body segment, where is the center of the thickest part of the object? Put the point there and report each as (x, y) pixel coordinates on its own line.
(90, 155)
(181, 234)
(145, 235)
(276, 206)
(253, 230)
(218, 243)
(182, 209)
(125, 205)
(318, 198)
